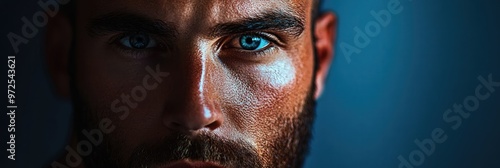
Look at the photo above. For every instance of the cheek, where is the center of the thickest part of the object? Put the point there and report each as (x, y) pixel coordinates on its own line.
(278, 74)
(104, 77)
(101, 74)
(277, 91)
(262, 94)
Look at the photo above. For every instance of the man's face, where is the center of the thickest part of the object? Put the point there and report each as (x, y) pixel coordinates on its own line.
(195, 82)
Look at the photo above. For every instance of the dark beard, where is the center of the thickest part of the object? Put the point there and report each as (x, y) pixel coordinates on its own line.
(203, 147)
(289, 150)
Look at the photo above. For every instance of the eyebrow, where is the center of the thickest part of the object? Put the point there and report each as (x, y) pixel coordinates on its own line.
(128, 22)
(274, 20)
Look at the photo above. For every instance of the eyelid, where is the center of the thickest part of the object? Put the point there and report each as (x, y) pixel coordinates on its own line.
(115, 42)
(259, 56)
(273, 39)
(250, 56)
(126, 39)
(161, 42)
(235, 43)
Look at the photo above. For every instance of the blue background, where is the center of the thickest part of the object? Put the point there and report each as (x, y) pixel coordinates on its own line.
(395, 91)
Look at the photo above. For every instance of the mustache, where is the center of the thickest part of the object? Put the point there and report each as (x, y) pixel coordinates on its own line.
(204, 146)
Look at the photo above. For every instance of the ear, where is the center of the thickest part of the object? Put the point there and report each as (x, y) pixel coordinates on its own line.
(57, 51)
(325, 34)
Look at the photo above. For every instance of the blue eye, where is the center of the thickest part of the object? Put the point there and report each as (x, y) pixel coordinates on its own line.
(253, 42)
(138, 41)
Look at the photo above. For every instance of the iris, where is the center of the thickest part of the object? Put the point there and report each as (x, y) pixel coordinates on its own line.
(253, 42)
(138, 41)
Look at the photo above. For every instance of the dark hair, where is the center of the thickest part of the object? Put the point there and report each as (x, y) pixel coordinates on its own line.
(316, 7)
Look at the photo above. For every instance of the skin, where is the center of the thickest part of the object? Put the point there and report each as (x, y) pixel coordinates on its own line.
(214, 88)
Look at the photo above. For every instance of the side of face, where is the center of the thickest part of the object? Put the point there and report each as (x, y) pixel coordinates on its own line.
(240, 73)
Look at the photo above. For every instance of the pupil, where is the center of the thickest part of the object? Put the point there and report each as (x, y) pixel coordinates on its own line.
(250, 42)
(139, 41)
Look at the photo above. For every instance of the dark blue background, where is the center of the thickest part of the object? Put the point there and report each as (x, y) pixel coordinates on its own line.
(395, 91)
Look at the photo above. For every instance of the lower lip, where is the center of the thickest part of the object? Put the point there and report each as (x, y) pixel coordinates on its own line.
(191, 164)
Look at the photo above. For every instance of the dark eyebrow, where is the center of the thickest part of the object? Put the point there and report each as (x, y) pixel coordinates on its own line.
(273, 20)
(127, 22)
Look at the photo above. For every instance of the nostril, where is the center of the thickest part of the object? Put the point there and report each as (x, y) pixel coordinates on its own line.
(194, 117)
(214, 125)
(192, 125)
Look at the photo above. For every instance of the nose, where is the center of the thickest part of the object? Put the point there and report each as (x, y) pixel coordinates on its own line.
(195, 116)
(197, 106)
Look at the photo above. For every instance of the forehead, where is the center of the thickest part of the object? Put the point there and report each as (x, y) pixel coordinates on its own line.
(197, 11)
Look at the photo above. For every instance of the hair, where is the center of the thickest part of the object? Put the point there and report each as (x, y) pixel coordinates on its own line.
(316, 8)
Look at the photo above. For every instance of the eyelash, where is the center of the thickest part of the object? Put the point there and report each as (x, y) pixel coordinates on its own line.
(115, 41)
(274, 42)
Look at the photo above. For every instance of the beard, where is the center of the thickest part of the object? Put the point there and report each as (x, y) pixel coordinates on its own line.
(288, 150)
